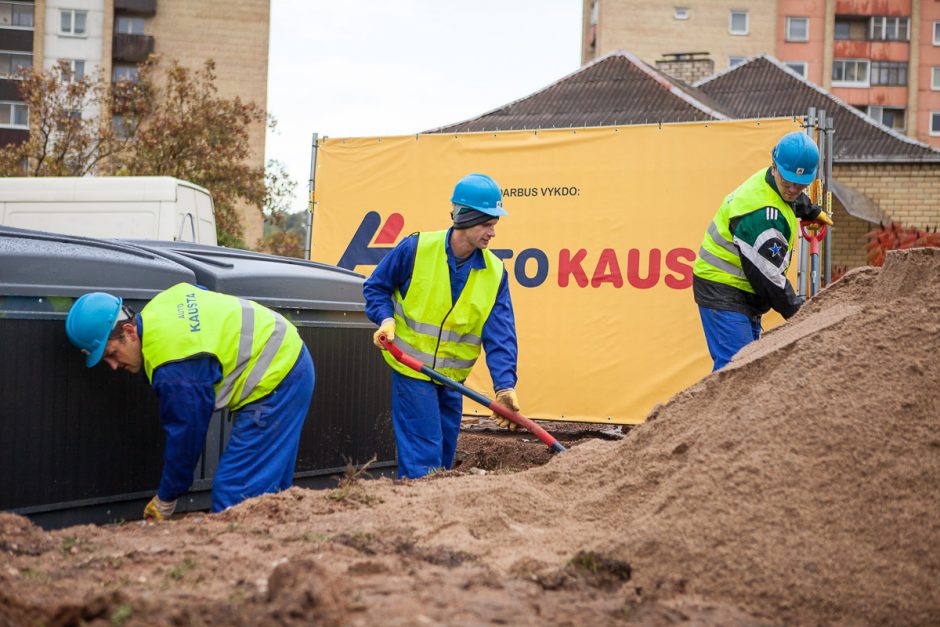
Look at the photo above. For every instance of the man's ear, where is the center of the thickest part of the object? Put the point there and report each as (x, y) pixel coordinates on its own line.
(130, 331)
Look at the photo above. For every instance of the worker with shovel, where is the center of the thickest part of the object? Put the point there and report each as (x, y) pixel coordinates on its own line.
(204, 351)
(740, 273)
(439, 297)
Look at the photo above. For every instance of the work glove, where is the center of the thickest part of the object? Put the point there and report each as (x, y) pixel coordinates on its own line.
(159, 510)
(508, 398)
(804, 209)
(387, 328)
(824, 218)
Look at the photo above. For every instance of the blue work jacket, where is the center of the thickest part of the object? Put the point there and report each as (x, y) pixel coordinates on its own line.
(499, 331)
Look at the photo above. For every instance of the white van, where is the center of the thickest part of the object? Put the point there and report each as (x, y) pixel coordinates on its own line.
(127, 207)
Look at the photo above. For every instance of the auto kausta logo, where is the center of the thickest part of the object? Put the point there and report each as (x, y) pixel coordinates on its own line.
(573, 266)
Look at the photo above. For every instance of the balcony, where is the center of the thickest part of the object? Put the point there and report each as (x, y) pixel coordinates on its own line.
(140, 7)
(132, 48)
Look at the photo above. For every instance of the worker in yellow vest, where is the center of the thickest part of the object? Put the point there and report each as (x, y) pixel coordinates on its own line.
(740, 272)
(203, 351)
(440, 297)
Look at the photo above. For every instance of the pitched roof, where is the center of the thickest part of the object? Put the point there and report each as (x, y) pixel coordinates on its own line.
(621, 89)
(618, 88)
(764, 87)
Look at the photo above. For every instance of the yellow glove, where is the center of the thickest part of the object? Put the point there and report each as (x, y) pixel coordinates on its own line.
(508, 398)
(159, 510)
(387, 328)
(824, 218)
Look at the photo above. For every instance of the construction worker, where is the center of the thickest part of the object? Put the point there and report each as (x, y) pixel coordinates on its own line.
(740, 273)
(440, 296)
(203, 351)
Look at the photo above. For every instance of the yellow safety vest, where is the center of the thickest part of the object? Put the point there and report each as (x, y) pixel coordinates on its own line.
(718, 258)
(441, 334)
(256, 346)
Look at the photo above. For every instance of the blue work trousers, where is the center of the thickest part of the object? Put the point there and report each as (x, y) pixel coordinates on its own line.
(426, 417)
(727, 332)
(262, 449)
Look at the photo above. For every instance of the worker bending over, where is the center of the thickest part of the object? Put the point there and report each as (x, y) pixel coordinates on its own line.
(440, 296)
(740, 273)
(203, 351)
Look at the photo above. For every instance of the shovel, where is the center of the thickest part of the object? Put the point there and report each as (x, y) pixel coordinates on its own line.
(499, 408)
(813, 232)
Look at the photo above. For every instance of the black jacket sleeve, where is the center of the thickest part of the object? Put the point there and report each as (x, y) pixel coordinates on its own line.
(805, 209)
(762, 239)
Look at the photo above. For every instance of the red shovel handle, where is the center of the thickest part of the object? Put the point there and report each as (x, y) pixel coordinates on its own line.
(499, 408)
(813, 231)
(396, 352)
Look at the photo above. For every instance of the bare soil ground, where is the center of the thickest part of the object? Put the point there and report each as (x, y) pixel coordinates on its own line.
(799, 485)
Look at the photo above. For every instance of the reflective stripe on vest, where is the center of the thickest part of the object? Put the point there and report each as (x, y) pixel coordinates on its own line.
(718, 257)
(441, 334)
(255, 346)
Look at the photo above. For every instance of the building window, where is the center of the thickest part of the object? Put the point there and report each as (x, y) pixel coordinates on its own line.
(680, 13)
(78, 70)
(935, 78)
(888, 73)
(797, 29)
(14, 115)
(124, 73)
(890, 28)
(72, 22)
(16, 15)
(123, 126)
(737, 23)
(797, 66)
(935, 122)
(892, 117)
(736, 61)
(850, 72)
(129, 25)
(12, 62)
(851, 28)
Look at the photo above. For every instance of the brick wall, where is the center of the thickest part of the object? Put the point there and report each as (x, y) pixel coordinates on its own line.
(848, 239)
(235, 34)
(908, 193)
(649, 28)
(689, 71)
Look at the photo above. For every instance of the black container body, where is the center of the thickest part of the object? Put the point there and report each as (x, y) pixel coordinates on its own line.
(84, 445)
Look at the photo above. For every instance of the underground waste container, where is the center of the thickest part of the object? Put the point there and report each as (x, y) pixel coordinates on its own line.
(77, 444)
(81, 445)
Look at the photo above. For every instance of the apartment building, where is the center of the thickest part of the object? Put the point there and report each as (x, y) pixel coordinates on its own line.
(17, 21)
(113, 36)
(880, 56)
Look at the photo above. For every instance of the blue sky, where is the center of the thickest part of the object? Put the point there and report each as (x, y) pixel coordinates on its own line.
(359, 68)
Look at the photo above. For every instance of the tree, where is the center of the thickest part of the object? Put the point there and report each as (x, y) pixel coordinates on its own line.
(68, 136)
(193, 134)
(284, 232)
(174, 124)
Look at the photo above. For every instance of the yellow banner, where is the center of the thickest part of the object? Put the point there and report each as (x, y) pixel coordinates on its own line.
(603, 228)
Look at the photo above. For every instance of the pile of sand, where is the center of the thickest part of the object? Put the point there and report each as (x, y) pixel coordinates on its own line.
(799, 484)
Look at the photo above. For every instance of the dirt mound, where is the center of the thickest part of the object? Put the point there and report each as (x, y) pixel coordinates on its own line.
(797, 485)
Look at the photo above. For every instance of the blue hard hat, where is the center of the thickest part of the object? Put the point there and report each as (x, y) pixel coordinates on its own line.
(89, 323)
(796, 157)
(480, 192)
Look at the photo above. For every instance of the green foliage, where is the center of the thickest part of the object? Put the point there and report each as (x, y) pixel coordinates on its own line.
(284, 232)
(179, 571)
(121, 614)
(70, 544)
(350, 486)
